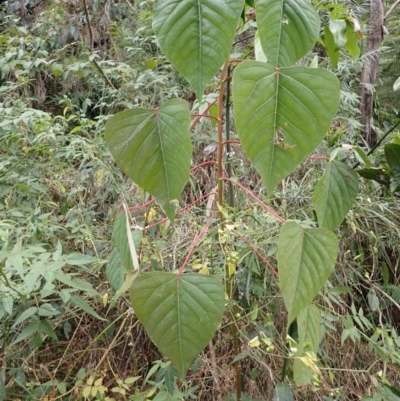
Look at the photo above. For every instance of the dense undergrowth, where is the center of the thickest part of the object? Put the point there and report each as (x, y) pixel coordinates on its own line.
(67, 330)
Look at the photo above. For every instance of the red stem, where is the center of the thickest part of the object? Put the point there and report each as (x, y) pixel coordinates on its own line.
(231, 141)
(204, 115)
(257, 252)
(317, 158)
(196, 241)
(142, 206)
(196, 121)
(267, 208)
(202, 165)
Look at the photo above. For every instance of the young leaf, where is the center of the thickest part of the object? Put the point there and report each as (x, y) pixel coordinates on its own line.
(179, 312)
(288, 29)
(352, 41)
(308, 325)
(196, 36)
(330, 46)
(282, 115)
(152, 147)
(306, 258)
(335, 194)
(338, 30)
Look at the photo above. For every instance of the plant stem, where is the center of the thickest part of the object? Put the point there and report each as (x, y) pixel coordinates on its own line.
(228, 137)
(220, 134)
(267, 208)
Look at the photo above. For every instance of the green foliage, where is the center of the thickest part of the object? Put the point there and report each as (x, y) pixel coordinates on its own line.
(335, 194)
(309, 330)
(179, 312)
(392, 153)
(75, 233)
(153, 148)
(306, 258)
(282, 115)
(197, 36)
(287, 29)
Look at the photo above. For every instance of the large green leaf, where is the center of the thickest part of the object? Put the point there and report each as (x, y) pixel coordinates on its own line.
(392, 153)
(197, 35)
(282, 115)
(306, 258)
(309, 329)
(179, 312)
(153, 148)
(288, 29)
(335, 194)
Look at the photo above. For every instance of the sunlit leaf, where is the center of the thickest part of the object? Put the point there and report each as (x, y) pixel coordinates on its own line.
(282, 115)
(338, 30)
(179, 312)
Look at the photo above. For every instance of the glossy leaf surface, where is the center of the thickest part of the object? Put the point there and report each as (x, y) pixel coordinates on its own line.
(282, 115)
(197, 35)
(179, 312)
(335, 194)
(306, 258)
(152, 147)
(288, 29)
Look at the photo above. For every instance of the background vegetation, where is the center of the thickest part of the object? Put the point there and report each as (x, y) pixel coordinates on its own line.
(67, 329)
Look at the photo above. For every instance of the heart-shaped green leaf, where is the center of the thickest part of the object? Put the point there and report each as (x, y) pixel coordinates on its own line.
(179, 312)
(288, 29)
(153, 148)
(306, 258)
(335, 194)
(197, 35)
(282, 115)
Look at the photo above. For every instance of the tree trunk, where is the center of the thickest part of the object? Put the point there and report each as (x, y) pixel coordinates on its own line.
(368, 77)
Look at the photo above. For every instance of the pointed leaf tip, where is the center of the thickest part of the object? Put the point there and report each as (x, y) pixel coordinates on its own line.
(288, 29)
(196, 36)
(306, 258)
(179, 312)
(153, 148)
(282, 115)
